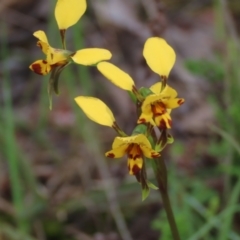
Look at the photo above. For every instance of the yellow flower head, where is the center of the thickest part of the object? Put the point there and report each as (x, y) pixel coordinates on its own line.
(59, 57)
(157, 106)
(135, 147)
(159, 56)
(54, 57)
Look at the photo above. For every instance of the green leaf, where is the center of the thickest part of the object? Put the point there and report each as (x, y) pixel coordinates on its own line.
(140, 128)
(145, 192)
(145, 91)
(152, 186)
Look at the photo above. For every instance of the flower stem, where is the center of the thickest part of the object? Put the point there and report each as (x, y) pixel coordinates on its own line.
(170, 215)
(161, 176)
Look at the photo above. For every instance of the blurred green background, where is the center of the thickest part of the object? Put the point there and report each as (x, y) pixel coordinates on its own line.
(55, 182)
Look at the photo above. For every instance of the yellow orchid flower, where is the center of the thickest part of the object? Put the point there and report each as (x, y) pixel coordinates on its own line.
(135, 147)
(157, 106)
(67, 13)
(60, 57)
(159, 56)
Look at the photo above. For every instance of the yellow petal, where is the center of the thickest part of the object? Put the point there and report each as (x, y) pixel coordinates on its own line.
(116, 75)
(41, 36)
(68, 12)
(156, 88)
(150, 99)
(173, 103)
(90, 56)
(117, 152)
(149, 152)
(159, 55)
(41, 67)
(96, 110)
(44, 46)
(141, 139)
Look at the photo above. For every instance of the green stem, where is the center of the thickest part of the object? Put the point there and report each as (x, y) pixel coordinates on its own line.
(62, 33)
(170, 215)
(161, 176)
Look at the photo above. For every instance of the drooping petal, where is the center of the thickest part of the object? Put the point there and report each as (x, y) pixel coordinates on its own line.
(135, 165)
(96, 110)
(159, 56)
(149, 152)
(41, 67)
(135, 160)
(41, 36)
(156, 88)
(91, 56)
(116, 75)
(68, 12)
(173, 103)
(117, 152)
(120, 141)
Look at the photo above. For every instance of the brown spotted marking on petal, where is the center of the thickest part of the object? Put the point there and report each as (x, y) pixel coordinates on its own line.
(51, 56)
(111, 155)
(135, 169)
(180, 101)
(142, 120)
(37, 68)
(158, 108)
(162, 124)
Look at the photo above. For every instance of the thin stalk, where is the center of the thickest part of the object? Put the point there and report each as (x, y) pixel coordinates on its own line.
(10, 145)
(170, 215)
(160, 171)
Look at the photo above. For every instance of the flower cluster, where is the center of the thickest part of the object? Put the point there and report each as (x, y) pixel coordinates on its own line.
(153, 105)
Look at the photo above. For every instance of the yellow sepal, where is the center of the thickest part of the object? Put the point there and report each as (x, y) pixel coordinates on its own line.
(116, 75)
(159, 55)
(90, 56)
(68, 12)
(96, 110)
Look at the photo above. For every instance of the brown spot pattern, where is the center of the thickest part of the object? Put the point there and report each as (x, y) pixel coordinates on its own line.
(180, 101)
(37, 68)
(135, 169)
(110, 155)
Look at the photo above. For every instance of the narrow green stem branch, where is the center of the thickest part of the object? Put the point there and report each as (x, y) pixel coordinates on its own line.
(170, 216)
(161, 176)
